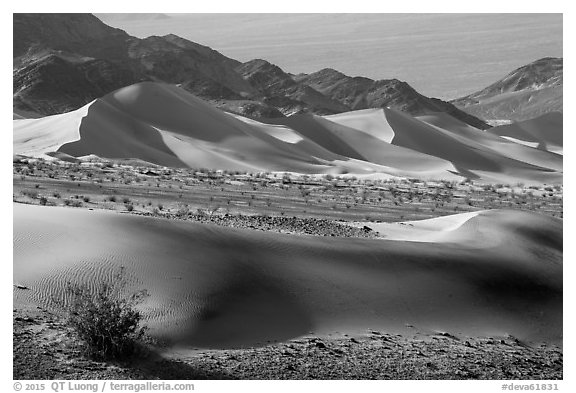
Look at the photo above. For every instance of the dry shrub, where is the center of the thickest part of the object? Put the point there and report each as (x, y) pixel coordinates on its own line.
(105, 319)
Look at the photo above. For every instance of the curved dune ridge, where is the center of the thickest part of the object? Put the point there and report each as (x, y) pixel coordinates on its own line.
(491, 273)
(544, 132)
(489, 141)
(36, 137)
(434, 230)
(165, 125)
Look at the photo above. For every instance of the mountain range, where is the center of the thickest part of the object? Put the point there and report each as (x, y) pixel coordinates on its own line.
(64, 61)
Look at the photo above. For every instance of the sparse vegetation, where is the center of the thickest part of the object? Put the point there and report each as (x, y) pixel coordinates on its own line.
(274, 194)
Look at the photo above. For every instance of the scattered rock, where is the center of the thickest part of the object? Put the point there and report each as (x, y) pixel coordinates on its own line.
(358, 358)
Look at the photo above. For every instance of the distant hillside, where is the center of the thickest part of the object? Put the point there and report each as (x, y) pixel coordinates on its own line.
(64, 61)
(525, 93)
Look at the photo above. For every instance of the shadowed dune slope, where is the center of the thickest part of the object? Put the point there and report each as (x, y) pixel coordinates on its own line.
(351, 142)
(494, 273)
(492, 141)
(544, 131)
(165, 125)
(469, 150)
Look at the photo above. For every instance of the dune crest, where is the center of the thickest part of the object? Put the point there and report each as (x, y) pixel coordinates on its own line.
(35, 137)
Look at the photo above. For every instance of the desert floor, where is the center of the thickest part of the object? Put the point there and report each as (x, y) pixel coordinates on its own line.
(271, 212)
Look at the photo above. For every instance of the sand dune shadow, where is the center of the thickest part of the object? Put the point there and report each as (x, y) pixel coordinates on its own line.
(247, 310)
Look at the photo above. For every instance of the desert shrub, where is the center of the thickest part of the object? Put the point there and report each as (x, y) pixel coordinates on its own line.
(104, 319)
(129, 206)
(30, 193)
(43, 200)
(182, 211)
(112, 198)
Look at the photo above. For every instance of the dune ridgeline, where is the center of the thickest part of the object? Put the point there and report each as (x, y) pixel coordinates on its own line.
(165, 125)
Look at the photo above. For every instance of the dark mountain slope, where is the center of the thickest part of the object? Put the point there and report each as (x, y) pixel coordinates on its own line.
(54, 84)
(363, 93)
(279, 89)
(525, 93)
(80, 39)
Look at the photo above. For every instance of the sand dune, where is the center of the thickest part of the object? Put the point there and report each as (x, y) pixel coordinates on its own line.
(36, 137)
(471, 151)
(545, 132)
(370, 121)
(441, 229)
(165, 125)
(349, 142)
(220, 287)
(491, 141)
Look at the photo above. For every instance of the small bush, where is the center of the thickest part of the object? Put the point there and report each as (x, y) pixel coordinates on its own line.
(30, 193)
(182, 211)
(104, 320)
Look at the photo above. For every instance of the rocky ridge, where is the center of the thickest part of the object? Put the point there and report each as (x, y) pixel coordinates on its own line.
(525, 93)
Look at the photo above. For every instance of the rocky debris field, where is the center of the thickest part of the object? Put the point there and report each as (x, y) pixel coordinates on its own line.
(292, 225)
(43, 339)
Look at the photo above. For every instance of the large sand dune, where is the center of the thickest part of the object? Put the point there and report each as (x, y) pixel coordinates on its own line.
(491, 273)
(163, 124)
(543, 132)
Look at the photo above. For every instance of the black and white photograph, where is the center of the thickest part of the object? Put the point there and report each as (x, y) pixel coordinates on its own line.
(287, 196)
